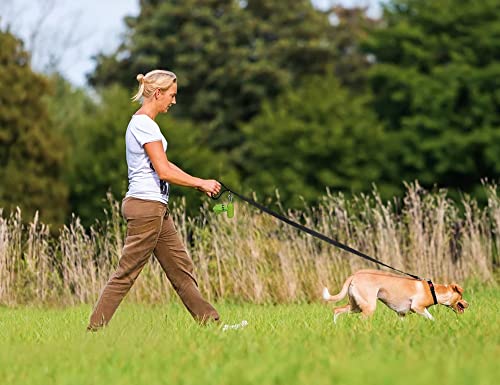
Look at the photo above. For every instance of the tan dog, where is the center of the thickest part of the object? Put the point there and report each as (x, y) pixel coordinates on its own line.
(401, 294)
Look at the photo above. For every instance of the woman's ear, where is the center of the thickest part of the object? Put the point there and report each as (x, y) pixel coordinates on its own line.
(457, 288)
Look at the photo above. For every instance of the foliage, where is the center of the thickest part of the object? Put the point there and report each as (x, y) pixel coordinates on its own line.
(313, 137)
(436, 83)
(95, 128)
(229, 56)
(351, 27)
(272, 95)
(32, 155)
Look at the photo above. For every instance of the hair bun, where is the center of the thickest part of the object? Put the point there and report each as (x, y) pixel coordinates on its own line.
(140, 77)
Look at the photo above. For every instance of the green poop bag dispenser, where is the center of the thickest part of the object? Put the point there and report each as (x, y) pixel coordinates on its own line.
(229, 208)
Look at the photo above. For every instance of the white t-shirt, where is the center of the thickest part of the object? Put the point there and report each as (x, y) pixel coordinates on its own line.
(143, 181)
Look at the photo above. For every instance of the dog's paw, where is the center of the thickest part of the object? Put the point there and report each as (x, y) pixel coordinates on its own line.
(326, 294)
(241, 325)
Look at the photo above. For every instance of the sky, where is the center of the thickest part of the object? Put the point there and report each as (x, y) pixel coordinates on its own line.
(65, 34)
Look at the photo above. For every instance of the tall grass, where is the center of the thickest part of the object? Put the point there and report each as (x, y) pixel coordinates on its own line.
(254, 257)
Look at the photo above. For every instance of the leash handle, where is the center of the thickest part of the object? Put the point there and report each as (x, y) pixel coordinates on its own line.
(222, 191)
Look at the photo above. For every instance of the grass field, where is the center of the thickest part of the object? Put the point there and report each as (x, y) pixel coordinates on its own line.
(283, 344)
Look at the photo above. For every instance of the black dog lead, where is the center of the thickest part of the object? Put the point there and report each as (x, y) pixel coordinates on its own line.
(320, 236)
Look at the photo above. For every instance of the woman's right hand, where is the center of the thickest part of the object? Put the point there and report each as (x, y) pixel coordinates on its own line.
(210, 187)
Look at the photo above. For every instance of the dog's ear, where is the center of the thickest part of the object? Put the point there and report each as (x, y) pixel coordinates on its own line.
(457, 288)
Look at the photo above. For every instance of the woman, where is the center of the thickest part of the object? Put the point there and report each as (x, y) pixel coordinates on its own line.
(150, 228)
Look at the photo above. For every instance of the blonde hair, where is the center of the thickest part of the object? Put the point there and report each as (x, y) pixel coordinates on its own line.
(153, 80)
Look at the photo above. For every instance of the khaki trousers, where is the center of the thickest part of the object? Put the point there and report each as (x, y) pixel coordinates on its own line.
(150, 229)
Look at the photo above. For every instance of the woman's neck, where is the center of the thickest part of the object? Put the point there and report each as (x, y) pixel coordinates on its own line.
(147, 110)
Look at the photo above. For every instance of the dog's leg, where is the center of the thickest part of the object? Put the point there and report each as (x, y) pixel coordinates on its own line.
(428, 315)
(367, 310)
(339, 310)
(365, 300)
(423, 312)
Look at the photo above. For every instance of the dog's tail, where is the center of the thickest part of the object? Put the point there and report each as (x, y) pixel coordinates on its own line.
(339, 296)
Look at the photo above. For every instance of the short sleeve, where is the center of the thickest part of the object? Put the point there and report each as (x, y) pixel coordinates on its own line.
(146, 132)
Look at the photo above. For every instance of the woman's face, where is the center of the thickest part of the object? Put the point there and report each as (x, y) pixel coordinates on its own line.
(165, 99)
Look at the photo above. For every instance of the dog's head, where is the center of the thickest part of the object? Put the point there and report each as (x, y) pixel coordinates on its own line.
(456, 301)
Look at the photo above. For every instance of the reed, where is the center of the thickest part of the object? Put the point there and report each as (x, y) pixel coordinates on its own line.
(254, 257)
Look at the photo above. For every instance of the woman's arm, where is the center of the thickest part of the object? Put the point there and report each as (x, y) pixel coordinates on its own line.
(170, 173)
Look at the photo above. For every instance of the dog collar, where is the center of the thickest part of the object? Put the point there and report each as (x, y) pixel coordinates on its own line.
(433, 292)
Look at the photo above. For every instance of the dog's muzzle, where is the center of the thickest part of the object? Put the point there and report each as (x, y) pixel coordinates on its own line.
(461, 306)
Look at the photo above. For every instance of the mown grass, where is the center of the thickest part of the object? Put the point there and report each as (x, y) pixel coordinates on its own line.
(283, 344)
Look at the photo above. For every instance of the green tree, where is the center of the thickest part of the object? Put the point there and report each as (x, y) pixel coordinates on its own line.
(31, 154)
(351, 26)
(315, 136)
(231, 55)
(97, 165)
(436, 83)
